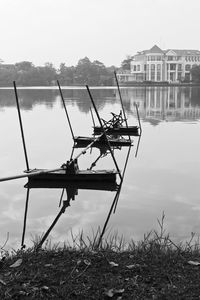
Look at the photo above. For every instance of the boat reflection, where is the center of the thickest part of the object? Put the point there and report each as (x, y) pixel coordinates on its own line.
(70, 188)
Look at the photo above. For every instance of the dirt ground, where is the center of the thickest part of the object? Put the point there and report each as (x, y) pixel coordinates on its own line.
(102, 274)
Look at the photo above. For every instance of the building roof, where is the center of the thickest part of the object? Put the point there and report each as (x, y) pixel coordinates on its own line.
(185, 52)
(156, 49)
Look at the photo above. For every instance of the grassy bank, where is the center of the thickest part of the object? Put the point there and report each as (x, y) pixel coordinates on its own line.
(155, 268)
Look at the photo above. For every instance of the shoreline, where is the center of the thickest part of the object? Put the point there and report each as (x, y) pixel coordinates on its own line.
(154, 268)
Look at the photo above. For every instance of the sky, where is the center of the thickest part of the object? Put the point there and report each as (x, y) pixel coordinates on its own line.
(64, 31)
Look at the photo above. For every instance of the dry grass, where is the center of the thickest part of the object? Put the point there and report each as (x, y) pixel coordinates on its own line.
(154, 268)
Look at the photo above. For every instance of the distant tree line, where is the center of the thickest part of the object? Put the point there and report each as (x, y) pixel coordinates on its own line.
(85, 72)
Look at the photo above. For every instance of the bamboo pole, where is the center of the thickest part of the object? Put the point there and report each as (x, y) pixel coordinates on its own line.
(115, 201)
(29, 174)
(25, 218)
(92, 117)
(138, 116)
(63, 101)
(21, 126)
(104, 131)
(120, 97)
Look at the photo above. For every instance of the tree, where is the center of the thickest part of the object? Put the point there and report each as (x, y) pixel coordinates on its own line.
(83, 70)
(24, 65)
(66, 74)
(126, 63)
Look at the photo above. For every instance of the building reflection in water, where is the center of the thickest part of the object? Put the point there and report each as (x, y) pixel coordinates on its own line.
(157, 104)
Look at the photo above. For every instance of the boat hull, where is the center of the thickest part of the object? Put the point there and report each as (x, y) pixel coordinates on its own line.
(64, 176)
(80, 142)
(83, 185)
(122, 130)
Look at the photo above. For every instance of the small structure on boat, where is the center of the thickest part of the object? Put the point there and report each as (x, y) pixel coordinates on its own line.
(115, 126)
(118, 124)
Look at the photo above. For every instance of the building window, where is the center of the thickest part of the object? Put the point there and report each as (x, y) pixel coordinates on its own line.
(134, 68)
(145, 67)
(153, 58)
(179, 67)
(187, 77)
(172, 67)
(153, 76)
(170, 58)
(152, 67)
(158, 76)
(187, 67)
(138, 67)
(158, 67)
(179, 76)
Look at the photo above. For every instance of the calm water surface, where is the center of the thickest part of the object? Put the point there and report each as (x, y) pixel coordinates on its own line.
(165, 176)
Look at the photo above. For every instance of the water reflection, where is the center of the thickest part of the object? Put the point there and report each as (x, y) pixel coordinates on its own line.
(31, 97)
(164, 177)
(157, 104)
(71, 187)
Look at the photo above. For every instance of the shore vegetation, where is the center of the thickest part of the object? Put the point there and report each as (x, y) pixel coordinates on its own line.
(154, 268)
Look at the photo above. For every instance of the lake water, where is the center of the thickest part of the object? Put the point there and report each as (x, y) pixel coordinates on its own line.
(164, 177)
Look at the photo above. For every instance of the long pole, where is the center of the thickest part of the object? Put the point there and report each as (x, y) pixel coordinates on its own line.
(108, 217)
(21, 127)
(120, 97)
(31, 174)
(138, 116)
(115, 201)
(126, 162)
(36, 172)
(92, 117)
(63, 101)
(25, 217)
(104, 131)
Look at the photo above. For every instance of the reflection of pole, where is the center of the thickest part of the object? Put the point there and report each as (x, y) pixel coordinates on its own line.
(25, 217)
(115, 201)
(108, 217)
(138, 143)
(125, 165)
(63, 101)
(104, 131)
(65, 204)
(21, 127)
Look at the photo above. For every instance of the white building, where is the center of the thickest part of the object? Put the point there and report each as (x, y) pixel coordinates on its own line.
(161, 65)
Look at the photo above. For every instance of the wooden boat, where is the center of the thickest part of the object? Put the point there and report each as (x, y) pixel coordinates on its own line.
(118, 130)
(68, 185)
(68, 175)
(81, 141)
